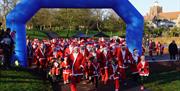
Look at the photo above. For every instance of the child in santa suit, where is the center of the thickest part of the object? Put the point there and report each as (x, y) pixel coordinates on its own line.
(135, 59)
(143, 69)
(55, 71)
(93, 68)
(105, 57)
(66, 70)
(114, 73)
(96, 70)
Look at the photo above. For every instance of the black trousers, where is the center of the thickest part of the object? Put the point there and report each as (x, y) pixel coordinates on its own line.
(7, 59)
(94, 80)
(172, 56)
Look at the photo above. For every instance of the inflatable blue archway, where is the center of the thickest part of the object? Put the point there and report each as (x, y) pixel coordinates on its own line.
(26, 9)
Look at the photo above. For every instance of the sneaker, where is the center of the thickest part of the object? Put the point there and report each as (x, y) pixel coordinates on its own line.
(116, 89)
(142, 88)
(125, 83)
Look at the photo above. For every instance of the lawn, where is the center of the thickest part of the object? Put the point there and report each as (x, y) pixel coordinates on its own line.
(166, 81)
(22, 80)
(63, 33)
(165, 76)
(167, 40)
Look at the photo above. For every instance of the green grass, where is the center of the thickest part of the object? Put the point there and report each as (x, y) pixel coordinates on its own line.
(33, 33)
(12, 80)
(166, 81)
(63, 33)
(36, 34)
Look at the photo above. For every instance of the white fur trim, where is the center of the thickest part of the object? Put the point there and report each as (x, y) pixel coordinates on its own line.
(77, 74)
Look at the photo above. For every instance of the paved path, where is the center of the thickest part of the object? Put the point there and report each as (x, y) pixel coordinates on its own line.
(89, 87)
(160, 58)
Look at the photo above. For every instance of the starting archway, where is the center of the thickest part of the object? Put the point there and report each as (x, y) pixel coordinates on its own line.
(26, 9)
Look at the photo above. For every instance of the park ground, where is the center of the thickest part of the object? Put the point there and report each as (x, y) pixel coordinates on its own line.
(165, 75)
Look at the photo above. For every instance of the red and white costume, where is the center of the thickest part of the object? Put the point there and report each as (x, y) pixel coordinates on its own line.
(55, 71)
(66, 71)
(135, 59)
(75, 61)
(114, 74)
(122, 57)
(68, 50)
(143, 68)
(105, 58)
(40, 53)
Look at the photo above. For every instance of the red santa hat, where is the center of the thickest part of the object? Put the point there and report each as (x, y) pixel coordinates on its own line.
(102, 45)
(54, 40)
(76, 48)
(82, 44)
(135, 49)
(123, 45)
(56, 64)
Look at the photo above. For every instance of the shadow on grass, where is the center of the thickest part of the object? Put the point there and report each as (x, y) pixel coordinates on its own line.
(18, 81)
(164, 78)
(164, 72)
(21, 77)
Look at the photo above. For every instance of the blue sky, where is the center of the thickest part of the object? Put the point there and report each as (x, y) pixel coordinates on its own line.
(144, 5)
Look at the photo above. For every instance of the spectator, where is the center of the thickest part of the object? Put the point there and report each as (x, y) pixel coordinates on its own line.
(179, 53)
(29, 52)
(158, 47)
(1, 31)
(13, 35)
(173, 50)
(161, 49)
(8, 46)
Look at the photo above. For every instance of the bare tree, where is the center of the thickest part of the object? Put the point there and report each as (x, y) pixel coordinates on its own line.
(5, 7)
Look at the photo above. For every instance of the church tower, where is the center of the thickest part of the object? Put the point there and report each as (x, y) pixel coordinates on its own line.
(155, 9)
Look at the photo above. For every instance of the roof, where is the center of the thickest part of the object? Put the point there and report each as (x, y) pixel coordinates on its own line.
(169, 15)
(165, 15)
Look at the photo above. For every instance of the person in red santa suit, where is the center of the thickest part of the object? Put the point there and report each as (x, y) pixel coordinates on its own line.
(96, 69)
(57, 53)
(104, 59)
(143, 69)
(68, 50)
(162, 49)
(151, 48)
(158, 47)
(66, 70)
(84, 51)
(75, 60)
(50, 52)
(29, 52)
(40, 53)
(114, 73)
(34, 46)
(123, 56)
(55, 71)
(135, 59)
